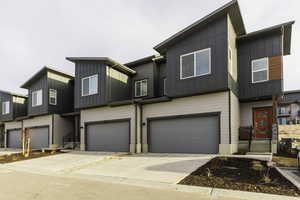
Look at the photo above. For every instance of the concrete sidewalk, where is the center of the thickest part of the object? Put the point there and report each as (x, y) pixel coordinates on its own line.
(9, 151)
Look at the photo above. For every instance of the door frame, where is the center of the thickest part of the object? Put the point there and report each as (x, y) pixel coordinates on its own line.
(253, 121)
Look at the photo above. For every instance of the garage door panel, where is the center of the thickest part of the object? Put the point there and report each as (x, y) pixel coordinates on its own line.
(113, 136)
(39, 137)
(185, 135)
(14, 139)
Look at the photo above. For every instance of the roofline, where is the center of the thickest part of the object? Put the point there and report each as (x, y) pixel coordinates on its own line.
(46, 68)
(14, 94)
(140, 61)
(226, 6)
(108, 60)
(268, 29)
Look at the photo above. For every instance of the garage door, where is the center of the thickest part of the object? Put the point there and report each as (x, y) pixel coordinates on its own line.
(39, 138)
(185, 135)
(111, 137)
(14, 139)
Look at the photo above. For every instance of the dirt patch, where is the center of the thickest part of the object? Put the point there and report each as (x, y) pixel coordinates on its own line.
(19, 156)
(241, 174)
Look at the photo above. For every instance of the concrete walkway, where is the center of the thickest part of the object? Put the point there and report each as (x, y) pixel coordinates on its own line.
(292, 174)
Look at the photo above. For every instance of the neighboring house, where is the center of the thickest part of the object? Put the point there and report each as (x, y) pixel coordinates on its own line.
(13, 106)
(211, 80)
(289, 108)
(50, 94)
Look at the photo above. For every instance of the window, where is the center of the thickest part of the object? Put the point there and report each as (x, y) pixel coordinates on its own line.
(89, 85)
(52, 97)
(195, 64)
(165, 89)
(141, 88)
(5, 107)
(260, 70)
(230, 61)
(37, 98)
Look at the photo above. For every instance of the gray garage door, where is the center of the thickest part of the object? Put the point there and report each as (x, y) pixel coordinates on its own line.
(39, 138)
(111, 137)
(185, 135)
(14, 139)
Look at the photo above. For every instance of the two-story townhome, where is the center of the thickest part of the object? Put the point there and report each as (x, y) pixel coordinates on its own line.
(13, 106)
(50, 94)
(211, 81)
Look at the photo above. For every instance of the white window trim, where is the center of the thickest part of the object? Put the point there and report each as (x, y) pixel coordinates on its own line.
(135, 88)
(267, 59)
(37, 101)
(4, 105)
(89, 94)
(195, 64)
(54, 91)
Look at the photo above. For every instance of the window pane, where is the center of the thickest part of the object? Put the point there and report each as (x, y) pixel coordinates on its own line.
(39, 97)
(144, 88)
(138, 89)
(202, 62)
(260, 76)
(85, 86)
(93, 85)
(187, 66)
(259, 64)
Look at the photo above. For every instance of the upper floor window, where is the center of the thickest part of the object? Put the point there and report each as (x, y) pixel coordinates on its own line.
(260, 68)
(141, 88)
(194, 64)
(89, 85)
(5, 107)
(37, 98)
(52, 97)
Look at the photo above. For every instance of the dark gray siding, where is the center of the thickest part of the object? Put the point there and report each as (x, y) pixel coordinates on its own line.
(85, 69)
(291, 97)
(212, 36)
(162, 74)
(118, 85)
(145, 71)
(3, 98)
(248, 50)
(42, 83)
(65, 96)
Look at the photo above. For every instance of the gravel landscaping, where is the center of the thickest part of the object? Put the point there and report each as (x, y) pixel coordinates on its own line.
(241, 174)
(19, 156)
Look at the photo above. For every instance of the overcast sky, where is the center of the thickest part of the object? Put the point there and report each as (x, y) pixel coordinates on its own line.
(34, 33)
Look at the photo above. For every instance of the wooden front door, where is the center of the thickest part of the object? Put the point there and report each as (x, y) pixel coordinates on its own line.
(262, 119)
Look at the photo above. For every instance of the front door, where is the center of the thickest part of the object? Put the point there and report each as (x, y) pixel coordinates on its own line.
(262, 118)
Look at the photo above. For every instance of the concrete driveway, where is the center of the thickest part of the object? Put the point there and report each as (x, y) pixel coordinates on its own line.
(61, 163)
(164, 168)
